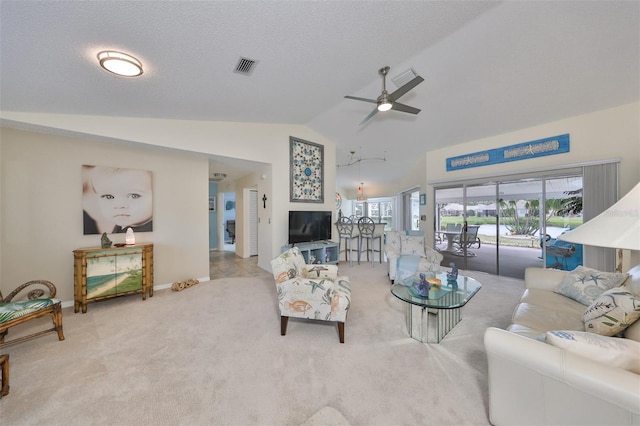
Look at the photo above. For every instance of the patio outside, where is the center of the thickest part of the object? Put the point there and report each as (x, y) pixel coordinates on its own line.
(521, 240)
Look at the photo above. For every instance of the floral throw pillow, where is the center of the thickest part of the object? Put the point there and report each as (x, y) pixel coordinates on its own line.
(612, 351)
(584, 284)
(613, 311)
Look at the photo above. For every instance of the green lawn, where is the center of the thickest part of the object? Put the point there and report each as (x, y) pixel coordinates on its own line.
(515, 241)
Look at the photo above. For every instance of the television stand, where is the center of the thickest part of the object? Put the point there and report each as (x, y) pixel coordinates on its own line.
(317, 251)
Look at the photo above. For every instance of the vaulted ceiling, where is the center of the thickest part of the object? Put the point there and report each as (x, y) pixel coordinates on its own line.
(489, 67)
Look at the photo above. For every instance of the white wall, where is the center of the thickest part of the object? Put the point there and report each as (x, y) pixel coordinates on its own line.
(265, 143)
(607, 134)
(42, 207)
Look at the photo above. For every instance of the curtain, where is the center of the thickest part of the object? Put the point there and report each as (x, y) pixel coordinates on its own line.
(600, 191)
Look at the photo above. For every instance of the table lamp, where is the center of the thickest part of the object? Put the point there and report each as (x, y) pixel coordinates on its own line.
(617, 227)
(130, 237)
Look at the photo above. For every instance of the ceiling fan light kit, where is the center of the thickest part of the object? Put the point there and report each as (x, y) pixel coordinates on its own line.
(386, 101)
(120, 63)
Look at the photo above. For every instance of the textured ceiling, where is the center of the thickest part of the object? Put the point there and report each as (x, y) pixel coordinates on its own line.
(489, 67)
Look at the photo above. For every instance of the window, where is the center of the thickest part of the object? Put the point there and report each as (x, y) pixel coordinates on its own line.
(379, 209)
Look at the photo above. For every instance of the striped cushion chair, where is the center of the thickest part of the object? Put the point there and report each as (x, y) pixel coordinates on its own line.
(34, 306)
(310, 291)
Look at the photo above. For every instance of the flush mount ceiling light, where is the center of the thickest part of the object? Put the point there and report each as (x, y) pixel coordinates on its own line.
(120, 63)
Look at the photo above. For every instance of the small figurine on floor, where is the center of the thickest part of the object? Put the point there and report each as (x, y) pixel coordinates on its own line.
(181, 285)
(105, 241)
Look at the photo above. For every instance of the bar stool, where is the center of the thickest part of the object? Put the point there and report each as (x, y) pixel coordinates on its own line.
(367, 229)
(346, 231)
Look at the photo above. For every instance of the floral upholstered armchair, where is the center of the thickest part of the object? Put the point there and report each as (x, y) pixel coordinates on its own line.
(398, 245)
(36, 305)
(310, 291)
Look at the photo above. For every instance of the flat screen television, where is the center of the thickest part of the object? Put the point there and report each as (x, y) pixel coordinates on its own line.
(307, 226)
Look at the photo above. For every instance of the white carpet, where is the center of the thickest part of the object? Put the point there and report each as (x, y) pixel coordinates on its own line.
(327, 416)
(213, 354)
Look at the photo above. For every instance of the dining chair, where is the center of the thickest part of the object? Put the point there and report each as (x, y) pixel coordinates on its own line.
(347, 232)
(367, 231)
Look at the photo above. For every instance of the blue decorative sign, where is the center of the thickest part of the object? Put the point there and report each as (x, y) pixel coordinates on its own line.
(522, 151)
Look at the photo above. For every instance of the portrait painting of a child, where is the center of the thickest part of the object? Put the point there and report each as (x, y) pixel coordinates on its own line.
(114, 199)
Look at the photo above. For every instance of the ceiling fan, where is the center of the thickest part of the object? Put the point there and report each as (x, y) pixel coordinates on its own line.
(387, 101)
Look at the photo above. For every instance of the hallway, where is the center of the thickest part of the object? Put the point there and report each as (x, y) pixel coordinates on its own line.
(223, 264)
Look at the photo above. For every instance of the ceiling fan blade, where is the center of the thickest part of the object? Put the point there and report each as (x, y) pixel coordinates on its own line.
(369, 117)
(373, 101)
(404, 89)
(404, 108)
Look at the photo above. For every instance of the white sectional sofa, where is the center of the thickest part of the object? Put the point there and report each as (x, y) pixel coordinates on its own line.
(540, 376)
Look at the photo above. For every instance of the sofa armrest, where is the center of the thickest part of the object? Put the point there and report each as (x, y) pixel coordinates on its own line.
(544, 279)
(531, 382)
(392, 260)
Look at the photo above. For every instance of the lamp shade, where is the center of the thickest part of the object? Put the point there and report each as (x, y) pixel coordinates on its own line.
(617, 227)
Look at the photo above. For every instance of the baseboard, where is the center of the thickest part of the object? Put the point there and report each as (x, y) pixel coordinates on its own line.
(70, 303)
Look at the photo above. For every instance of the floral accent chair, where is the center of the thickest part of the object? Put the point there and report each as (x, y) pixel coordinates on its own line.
(17, 312)
(310, 291)
(398, 245)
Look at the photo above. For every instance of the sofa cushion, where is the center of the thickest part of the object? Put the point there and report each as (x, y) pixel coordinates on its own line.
(553, 301)
(612, 351)
(12, 310)
(544, 318)
(613, 311)
(320, 271)
(411, 245)
(586, 284)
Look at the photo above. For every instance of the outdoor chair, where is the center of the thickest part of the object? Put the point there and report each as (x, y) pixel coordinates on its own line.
(34, 306)
(347, 233)
(310, 291)
(470, 238)
(563, 255)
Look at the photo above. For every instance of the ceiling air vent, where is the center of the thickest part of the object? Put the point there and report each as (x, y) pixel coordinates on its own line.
(404, 77)
(245, 66)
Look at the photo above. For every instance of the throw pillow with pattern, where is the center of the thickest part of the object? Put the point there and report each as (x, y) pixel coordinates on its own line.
(613, 311)
(412, 245)
(584, 284)
(612, 351)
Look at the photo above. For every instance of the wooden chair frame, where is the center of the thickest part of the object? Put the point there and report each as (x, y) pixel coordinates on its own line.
(54, 310)
(4, 370)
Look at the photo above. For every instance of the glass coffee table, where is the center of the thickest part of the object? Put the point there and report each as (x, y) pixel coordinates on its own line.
(430, 318)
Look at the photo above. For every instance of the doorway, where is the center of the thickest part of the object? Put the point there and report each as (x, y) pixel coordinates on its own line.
(229, 221)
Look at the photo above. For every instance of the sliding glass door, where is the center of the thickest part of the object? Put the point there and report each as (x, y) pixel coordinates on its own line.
(503, 227)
